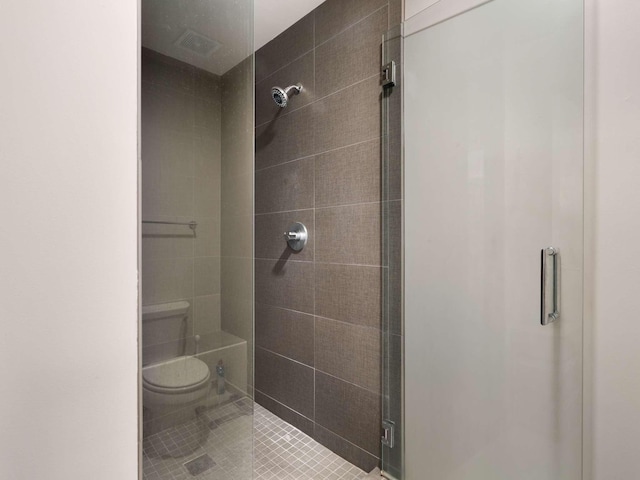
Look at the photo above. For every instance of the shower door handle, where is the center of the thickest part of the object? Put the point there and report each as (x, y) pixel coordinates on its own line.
(549, 288)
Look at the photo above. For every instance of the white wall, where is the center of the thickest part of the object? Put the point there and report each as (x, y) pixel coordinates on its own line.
(612, 347)
(68, 239)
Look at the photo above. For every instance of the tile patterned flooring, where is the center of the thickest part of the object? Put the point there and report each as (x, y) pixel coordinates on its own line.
(217, 445)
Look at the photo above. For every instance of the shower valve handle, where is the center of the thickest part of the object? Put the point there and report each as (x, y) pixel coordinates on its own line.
(296, 236)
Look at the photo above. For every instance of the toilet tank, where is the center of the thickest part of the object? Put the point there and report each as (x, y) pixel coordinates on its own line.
(165, 324)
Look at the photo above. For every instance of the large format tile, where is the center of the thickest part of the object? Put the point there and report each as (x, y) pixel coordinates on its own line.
(393, 137)
(285, 332)
(237, 318)
(333, 16)
(237, 235)
(286, 284)
(396, 13)
(207, 314)
(207, 85)
(237, 278)
(351, 56)
(300, 71)
(164, 109)
(395, 267)
(349, 411)
(206, 275)
(238, 120)
(168, 195)
(237, 195)
(347, 450)
(286, 47)
(166, 241)
(207, 197)
(288, 137)
(286, 381)
(350, 293)
(167, 279)
(349, 234)
(167, 153)
(350, 116)
(207, 236)
(270, 242)
(207, 155)
(348, 175)
(349, 352)
(165, 71)
(207, 118)
(285, 187)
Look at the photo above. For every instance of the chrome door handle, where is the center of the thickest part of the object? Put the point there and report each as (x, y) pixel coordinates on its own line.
(549, 288)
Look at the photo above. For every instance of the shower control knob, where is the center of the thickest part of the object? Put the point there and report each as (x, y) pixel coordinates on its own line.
(296, 236)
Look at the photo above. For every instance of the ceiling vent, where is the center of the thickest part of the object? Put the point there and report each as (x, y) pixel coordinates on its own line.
(197, 43)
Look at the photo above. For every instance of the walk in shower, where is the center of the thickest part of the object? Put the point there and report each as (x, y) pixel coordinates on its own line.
(317, 306)
(362, 243)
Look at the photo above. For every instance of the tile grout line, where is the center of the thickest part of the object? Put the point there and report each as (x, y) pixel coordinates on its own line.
(293, 360)
(314, 42)
(324, 263)
(344, 322)
(324, 152)
(362, 80)
(286, 406)
(284, 66)
(315, 224)
(362, 19)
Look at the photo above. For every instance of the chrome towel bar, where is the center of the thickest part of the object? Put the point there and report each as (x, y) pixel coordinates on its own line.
(192, 225)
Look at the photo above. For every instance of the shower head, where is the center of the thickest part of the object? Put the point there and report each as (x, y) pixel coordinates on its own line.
(281, 95)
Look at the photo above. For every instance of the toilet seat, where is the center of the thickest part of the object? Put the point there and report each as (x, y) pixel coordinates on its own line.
(179, 375)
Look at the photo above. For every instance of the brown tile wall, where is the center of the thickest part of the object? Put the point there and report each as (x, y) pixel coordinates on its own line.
(318, 312)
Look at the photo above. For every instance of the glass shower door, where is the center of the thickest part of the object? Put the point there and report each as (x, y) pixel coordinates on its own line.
(493, 114)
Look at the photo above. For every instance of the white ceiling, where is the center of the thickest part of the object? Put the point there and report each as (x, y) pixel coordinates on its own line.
(164, 21)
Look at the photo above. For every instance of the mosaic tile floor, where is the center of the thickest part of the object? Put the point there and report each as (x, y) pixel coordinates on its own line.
(218, 444)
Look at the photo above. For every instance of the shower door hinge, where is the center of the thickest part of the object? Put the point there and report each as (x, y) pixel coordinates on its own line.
(388, 433)
(389, 75)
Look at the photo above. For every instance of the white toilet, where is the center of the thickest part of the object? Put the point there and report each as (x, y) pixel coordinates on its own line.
(173, 381)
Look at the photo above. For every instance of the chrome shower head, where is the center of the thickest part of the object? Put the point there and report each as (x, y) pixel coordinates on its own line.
(281, 95)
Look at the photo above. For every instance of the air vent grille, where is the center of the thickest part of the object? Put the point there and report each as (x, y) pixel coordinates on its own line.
(197, 43)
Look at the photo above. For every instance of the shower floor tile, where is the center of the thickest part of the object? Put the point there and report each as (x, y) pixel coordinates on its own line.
(284, 452)
(220, 443)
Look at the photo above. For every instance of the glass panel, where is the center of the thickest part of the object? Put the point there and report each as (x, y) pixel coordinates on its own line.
(493, 174)
(197, 239)
(392, 401)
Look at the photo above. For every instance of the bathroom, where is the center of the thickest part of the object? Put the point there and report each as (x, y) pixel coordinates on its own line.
(322, 239)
